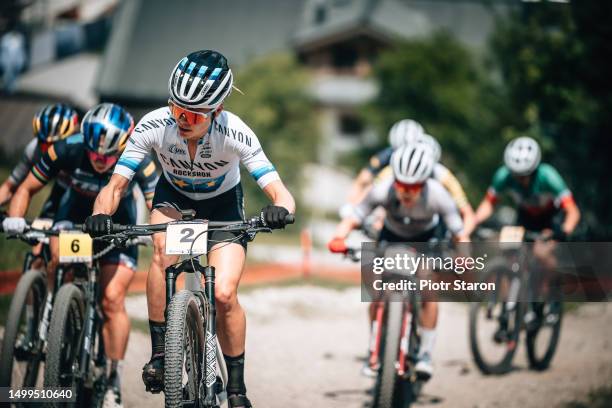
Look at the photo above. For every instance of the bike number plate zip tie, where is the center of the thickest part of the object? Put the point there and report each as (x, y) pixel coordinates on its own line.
(186, 238)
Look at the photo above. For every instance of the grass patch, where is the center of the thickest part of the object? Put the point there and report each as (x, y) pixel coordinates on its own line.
(598, 398)
(5, 304)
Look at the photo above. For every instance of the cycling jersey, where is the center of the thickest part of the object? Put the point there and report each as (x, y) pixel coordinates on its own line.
(70, 155)
(409, 222)
(31, 155)
(546, 193)
(443, 175)
(215, 168)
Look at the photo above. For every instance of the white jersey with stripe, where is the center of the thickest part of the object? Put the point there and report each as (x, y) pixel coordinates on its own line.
(407, 222)
(215, 168)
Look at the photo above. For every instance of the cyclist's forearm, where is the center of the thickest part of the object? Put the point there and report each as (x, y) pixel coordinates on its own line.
(6, 191)
(572, 217)
(469, 219)
(280, 196)
(107, 200)
(345, 227)
(109, 197)
(20, 203)
(359, 187)
(484, 212)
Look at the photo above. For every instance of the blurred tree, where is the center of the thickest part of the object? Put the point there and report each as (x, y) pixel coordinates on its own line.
(438, 82)
(276, 106)
(555, 63)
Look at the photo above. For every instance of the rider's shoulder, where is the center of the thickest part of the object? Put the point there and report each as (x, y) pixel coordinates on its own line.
(232, 128)
(545, 169)
(501, 175)
(159, 118)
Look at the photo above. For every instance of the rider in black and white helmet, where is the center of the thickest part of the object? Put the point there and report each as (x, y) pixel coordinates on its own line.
(413, 163)
(201, 80)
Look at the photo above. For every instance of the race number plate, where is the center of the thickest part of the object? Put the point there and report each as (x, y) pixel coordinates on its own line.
(42, 223)
(75, 247)
(512, 234)
(186, 238)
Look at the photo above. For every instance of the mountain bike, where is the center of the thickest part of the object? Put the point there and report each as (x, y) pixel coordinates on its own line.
(498, 317)
(25, 330)
(194, 368)
(394, 342)
(75, 353)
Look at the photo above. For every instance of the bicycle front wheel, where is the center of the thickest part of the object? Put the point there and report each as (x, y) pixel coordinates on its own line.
(495, 322)
(184, 351)
(543, 338)
(386, 389)
(65, 332)
(22, 349)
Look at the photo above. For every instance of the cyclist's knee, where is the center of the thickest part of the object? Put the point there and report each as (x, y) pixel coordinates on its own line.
(226, 296)
(113, 300)
(159, 251)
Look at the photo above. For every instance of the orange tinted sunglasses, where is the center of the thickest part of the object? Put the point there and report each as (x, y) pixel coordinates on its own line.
(408, 188)
(192, 117)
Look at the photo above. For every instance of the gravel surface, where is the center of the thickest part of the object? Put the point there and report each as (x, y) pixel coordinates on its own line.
(305, 345)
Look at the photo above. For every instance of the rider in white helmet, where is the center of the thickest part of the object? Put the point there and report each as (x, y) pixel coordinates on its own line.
(407, 131)
(537, 188)
(414, 203)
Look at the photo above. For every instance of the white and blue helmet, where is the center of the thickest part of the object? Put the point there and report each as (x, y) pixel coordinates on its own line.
(106, 128)
(202, 79)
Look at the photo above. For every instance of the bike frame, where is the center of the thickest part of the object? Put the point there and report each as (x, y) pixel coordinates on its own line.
(408, 351)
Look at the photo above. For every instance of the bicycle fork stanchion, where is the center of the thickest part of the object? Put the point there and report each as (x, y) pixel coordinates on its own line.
(90, 320)
(209, 377)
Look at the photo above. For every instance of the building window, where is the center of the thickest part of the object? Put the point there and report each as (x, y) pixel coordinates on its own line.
(320, 14)
(344, 56)
(350, 124)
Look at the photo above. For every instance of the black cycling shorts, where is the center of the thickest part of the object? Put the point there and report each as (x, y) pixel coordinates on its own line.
(228, 206)
(75, 208)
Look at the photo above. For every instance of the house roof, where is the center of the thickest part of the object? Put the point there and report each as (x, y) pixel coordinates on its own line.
(330, 21)
(326, 21)
(150, 36)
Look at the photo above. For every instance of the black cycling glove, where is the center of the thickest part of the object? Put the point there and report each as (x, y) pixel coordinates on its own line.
(274, 216)
(98, 225)
(559, 234)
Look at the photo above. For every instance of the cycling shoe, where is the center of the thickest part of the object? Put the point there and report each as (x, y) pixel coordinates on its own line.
(153, 374)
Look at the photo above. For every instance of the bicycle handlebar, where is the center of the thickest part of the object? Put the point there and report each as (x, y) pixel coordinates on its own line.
(254, 223)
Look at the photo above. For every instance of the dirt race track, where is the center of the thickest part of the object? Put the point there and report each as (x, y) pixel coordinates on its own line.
(305, 344)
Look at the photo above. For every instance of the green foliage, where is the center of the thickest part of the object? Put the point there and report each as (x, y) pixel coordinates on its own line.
(555, 64)
(275, 105)
(438, 82)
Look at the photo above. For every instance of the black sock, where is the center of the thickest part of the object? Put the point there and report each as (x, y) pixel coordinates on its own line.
(158, 338)
(235, 374)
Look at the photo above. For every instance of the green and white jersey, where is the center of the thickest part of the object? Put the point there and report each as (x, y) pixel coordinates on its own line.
(546, 192)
